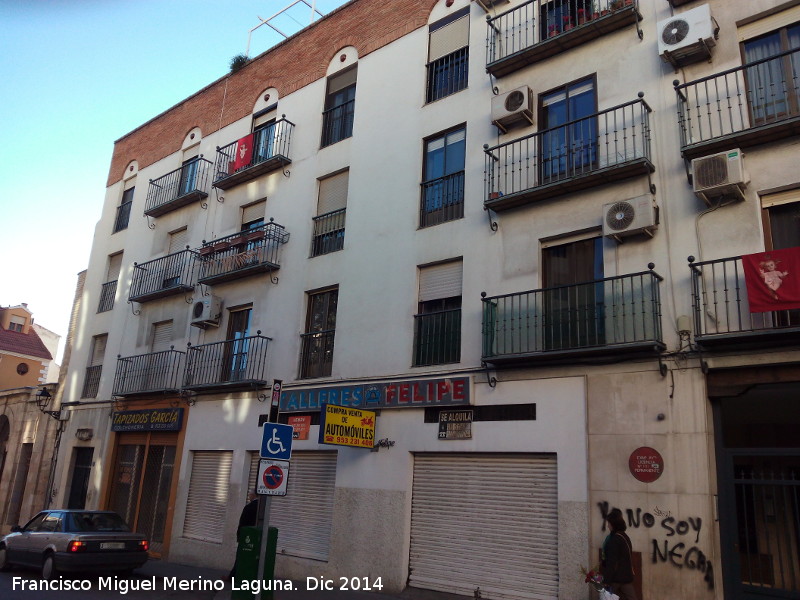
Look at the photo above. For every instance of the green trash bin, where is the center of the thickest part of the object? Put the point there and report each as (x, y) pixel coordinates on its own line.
(249, 546)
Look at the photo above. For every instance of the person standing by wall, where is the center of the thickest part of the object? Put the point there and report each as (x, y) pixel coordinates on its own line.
(248, 518)
(617, 564)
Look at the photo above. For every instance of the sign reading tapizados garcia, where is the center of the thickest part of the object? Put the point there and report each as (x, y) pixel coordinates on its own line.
(155, 419)
(346, 426)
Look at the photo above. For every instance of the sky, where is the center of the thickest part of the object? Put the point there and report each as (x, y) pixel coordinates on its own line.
(76, 75)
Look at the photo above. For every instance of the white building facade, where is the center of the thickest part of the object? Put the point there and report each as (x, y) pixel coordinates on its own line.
(479, 211)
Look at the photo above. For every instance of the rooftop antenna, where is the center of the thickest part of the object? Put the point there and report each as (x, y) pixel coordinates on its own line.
(267, 22)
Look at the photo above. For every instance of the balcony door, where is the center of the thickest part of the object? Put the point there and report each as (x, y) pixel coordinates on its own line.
(573, 295)
(773, 90)
(188, 180)
(782, 230)
(568, 144)
(237, 345)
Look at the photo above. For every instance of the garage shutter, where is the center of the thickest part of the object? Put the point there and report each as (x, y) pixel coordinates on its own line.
(488, 521)
(303, 516)
(207, 504)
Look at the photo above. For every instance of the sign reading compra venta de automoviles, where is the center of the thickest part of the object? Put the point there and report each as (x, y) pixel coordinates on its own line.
(154, 419)
(410, 393)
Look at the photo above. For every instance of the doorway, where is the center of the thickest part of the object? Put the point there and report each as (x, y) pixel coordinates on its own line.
(79, 483)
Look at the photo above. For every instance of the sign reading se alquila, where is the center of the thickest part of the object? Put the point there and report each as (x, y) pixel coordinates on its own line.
(155, 419)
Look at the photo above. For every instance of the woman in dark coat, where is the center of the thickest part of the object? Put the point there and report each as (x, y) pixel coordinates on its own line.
(617, 565)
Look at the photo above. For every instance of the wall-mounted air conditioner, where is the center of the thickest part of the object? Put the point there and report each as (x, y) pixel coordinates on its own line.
(513, 108)
(687, 37)
(719, 176)
(630, 217)
(206, 312)
(488, 5)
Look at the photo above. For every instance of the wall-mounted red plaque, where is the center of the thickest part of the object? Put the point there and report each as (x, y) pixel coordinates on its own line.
(646, 464)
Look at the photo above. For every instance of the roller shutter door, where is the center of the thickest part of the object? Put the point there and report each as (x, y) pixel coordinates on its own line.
(303, 516)
(207, 504)
(488, 521)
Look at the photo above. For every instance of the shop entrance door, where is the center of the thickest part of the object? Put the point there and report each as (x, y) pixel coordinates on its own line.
(142, 483)
(759, 496)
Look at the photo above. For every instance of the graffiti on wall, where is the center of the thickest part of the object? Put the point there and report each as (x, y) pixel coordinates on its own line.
(674, 540)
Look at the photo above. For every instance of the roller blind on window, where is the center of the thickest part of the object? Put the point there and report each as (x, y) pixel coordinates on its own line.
(333, 193)
(207, 504)
(254, 212)
(440, 281)
(769, 24)
(114, 266)
(777, 199)
(98, 350)
(178, 240)
(449, 38)
(162, 336)
(341, 80)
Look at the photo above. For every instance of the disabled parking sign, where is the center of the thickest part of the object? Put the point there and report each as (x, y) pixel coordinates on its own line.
(276, 442)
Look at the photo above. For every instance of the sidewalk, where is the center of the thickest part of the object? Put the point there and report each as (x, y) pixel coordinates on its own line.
(160, 568)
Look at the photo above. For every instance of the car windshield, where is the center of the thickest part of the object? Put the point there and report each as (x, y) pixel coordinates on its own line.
(92, 521)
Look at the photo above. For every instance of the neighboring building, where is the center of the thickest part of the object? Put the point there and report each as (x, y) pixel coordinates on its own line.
(366, 215)
(26, 433)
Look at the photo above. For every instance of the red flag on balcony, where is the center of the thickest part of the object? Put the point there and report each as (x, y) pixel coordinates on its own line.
(244, 152)
(773, 279)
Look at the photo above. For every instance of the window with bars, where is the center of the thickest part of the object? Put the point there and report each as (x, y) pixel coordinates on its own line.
(437, 325)
(91, 381)
(329, 223)
(316, 348)
(448, 56)
(340, 101)
(443, 185)
(109, 290)
(124, 210)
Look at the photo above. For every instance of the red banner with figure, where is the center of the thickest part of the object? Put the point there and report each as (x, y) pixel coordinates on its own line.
(773, 279)
(244, 153)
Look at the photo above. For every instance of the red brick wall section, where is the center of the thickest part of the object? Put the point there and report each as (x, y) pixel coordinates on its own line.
(365, 24)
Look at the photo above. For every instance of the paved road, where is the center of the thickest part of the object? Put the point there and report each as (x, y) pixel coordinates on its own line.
(159, 580)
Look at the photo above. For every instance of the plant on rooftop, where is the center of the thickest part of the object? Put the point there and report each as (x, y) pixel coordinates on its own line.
(238, 61)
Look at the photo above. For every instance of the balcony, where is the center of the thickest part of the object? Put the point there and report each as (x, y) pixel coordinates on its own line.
(241, 255)
(316, 354)
(741, 107)
(156, 372)
(166, 276)
(514, 39)
(437, 337)
(91, 381)
(178, 188)
(233, 364)
(611, 145)
(328, 232)
(610, 317)
(270, 152)
(442, 199)
(722, 317)
(123, 216)
(107, 294)
(337, 123)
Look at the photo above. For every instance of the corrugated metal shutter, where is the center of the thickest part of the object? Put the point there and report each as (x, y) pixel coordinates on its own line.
(446, 40)
(114, 266)
(98, 350)
(303, 515)
(333, 193)
(342, 80)
(208, 495)
(254, 212)
(440, 281)
(162, 336)
(178, 240)
(503, 537)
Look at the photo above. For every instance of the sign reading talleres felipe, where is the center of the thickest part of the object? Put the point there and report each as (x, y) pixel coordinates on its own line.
(414, 393)
(155, 419)
(342, 426)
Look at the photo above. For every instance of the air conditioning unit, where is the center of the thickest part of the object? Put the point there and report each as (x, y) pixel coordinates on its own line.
(629, 217)
(687, 37)
(207, 312)
(513, 108)
(487, 5)
(719, 176)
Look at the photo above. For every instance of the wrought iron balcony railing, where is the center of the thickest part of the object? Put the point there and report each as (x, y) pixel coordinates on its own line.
(437, 337)
(615, 315)
(165, 276)
(745, 106)
(328, 232)
(155, 372)
(91, 381)
(236, 363)
(107, 294)
(123, 216)
(610, 145)
(442, 199)
(269, 152)
(316, 354)
(241, 254)
(337, 123)
(538, 29)
(178, 188)
(447, 75)
(722, 313)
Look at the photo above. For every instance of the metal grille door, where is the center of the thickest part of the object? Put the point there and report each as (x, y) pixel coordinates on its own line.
(485, 521)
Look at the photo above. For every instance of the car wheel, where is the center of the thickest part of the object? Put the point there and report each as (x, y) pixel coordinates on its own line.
(49, 570)
(4, 564)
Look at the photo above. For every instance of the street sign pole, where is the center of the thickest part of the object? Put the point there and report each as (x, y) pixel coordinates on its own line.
(263, 508)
